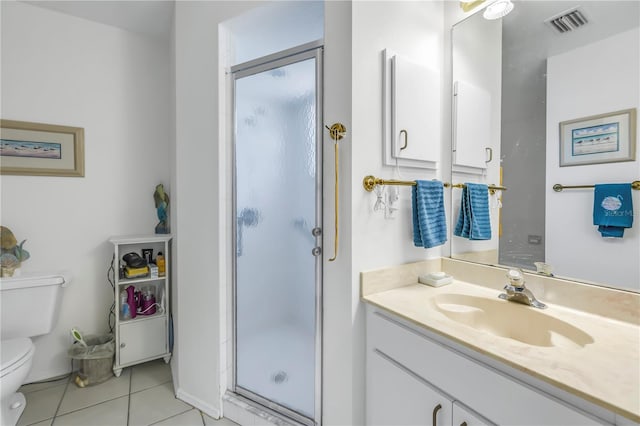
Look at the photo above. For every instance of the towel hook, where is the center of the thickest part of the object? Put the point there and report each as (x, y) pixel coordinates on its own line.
(337, 132)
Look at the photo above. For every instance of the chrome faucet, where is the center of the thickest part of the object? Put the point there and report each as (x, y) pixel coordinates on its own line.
(516, 291)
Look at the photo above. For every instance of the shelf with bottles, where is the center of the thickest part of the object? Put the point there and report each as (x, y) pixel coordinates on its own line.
(139, 318)
(130, 281)
(141, 288)
(145, 300)
(147, 265)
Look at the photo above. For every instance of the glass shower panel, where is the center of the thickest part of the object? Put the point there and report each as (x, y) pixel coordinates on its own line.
(276, 211)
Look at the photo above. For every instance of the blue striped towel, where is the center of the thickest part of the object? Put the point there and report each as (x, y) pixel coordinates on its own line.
(429, 223)
(474, 221)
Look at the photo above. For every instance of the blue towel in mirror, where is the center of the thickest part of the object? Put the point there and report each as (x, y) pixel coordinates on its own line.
(612, 209)
(474, 221)
(429, 223)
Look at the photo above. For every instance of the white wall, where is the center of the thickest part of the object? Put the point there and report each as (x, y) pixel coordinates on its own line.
(64, 70)
(202, 176)
(274, 27)
(594, 79)
(414, 30)
(343, 389)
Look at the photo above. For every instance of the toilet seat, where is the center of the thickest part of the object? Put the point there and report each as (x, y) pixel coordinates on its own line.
(14, 353)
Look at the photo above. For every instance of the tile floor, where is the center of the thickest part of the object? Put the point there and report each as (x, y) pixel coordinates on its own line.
(142, 395)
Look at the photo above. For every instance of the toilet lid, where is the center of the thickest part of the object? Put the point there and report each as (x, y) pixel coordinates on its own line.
(13, 353)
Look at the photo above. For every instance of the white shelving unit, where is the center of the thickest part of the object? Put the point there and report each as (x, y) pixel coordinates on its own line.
(145, 337)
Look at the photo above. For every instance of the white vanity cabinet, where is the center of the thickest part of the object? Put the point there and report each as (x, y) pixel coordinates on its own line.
(396, 396)
(462, 416)
(145, 337)
(408, 374)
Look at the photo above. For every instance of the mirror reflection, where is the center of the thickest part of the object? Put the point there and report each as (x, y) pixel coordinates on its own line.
(516, 82)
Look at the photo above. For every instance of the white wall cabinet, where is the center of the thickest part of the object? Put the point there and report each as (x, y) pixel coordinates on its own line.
(145, 337)
(142, 338)
(408, 374)
(411, 112)
(472, 141)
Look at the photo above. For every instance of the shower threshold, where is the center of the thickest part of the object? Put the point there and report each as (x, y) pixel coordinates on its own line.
(241, 410)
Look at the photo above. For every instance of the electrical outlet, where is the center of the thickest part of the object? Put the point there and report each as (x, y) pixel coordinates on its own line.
(535, 239)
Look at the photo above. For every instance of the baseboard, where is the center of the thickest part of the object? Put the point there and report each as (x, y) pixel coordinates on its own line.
(205, 407)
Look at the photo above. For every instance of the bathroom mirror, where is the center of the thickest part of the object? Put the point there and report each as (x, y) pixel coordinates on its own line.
(545, 63)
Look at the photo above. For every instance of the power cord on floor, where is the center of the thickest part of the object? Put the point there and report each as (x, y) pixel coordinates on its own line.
(54, 379)
(111, 277)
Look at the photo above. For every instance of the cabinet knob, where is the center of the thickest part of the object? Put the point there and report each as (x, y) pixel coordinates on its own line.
(122, 345)
(435, 413)
(463, 424)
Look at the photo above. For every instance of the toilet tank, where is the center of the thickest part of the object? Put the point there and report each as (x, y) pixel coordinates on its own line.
(30, 304)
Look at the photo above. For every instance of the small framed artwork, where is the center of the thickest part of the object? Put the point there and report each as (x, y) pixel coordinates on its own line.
(604, 138)
(41, 149)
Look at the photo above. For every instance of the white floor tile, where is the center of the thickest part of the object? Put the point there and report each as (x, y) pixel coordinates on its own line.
(155, 404)
(210, 421)
(150, 374)
(108, 413)
(190, 418)
(33, 387)
(41, 405)
(77, 398)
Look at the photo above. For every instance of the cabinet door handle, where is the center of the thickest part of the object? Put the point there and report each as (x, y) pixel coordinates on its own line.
(435, 413)
(463, 424)
(122, 345)
(489, 152)
(406, 139)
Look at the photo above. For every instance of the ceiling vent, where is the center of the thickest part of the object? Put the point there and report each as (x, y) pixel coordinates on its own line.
(567, 21)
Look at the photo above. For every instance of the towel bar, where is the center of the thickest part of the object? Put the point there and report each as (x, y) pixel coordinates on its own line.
(558, 188)
(370, 182)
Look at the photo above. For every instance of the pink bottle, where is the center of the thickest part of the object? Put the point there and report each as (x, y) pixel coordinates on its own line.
(131, 300)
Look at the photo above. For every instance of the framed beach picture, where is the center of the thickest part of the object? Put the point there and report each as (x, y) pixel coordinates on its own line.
(41, 149)
(604, 138)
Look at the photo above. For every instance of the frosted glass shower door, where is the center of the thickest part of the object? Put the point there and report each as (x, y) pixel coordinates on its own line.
(277, 207)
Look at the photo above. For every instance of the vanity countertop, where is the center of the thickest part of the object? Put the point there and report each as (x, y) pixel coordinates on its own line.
(604, 370)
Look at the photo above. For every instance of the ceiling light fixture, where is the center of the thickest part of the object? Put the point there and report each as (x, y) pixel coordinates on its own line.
(498, 9)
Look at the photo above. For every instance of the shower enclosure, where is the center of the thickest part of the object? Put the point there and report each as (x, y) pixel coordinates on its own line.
(277, 207)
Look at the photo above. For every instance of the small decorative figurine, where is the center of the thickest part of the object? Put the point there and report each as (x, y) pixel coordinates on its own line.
(11, 253)
(161, 199)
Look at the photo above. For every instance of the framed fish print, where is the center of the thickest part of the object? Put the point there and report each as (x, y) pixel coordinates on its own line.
(604, 138)
(38, 149)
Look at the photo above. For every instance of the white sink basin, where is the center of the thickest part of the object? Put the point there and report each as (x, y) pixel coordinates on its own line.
(510, 320)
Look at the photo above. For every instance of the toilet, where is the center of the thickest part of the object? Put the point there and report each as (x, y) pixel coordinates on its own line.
(20, 298)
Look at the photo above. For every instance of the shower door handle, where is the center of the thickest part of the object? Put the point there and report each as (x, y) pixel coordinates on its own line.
(316, 232)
